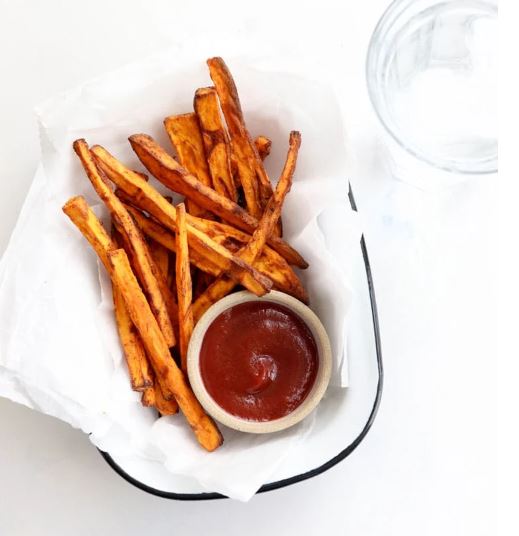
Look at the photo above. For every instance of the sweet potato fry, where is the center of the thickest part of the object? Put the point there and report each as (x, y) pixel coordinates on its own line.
(153, 202)
(83, 217)
(147, 271)
(184, 286)
(168, 171)
(166, 238)
(160, 255)
(170, 377)
(250, 166)
(269, 262)
(216, 142)
(223, 285)
(141, 376)
(131, 343)
(263, 146)
(87, 222)
(153, 397)
(148, 397)
(165, 407)
(185, 136)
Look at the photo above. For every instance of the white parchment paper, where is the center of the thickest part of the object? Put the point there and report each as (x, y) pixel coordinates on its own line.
(59, 351)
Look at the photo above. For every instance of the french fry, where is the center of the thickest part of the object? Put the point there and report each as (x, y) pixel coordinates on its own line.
(184, 286)
(160, 255)
(223, 285)
(240, 140)
(250, 166)
(130, 341)
(148, 397)
(92, 229)
(170, 377)
(185, 136)
(216, 142)
(263, 146)
(168, 171)
(269, 261)
(141, 376)
(166, 238)
(165, 407)
(153, 202)
(153, 397)
(147, 271)
(83, 217)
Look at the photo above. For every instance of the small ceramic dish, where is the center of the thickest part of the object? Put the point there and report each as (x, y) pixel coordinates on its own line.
(310, 401)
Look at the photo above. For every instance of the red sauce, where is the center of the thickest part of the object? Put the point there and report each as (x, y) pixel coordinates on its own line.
(258, 360)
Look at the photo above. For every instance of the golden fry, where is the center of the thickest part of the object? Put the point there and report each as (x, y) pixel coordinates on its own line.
(184, 286)
(167, 239)
(168, 171)
(216, 142)
(165, 407)
(148, 273)
(250, 166)
(153, 397)
(263, 146)
(149, 199)
(83, 217)
(92, 229)
(131, 343)
(223, 285)
(184, 132)
(160, 255)
(269, 262)
(170, 377)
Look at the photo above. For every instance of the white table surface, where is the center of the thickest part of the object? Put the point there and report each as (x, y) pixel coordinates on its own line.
(427, 466)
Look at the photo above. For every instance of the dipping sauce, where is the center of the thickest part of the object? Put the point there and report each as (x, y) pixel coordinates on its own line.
(258, 360)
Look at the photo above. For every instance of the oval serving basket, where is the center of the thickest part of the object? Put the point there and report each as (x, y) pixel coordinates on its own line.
(342, 423)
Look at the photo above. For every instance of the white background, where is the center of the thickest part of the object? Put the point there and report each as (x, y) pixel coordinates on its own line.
(428, 465)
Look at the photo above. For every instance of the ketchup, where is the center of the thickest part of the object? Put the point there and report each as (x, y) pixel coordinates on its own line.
(258, 360)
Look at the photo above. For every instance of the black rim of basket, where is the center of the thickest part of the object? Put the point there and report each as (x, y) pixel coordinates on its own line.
(313, 472)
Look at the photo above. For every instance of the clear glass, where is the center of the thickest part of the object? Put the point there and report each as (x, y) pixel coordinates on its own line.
(432, 78)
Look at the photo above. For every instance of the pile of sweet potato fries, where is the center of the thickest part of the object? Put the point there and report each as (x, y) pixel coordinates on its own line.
(169, 263)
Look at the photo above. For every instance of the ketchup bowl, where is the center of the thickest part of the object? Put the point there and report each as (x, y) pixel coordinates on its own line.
(259, 365)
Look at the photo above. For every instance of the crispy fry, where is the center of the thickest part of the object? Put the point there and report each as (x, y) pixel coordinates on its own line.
(153, 202)
(269, 262)
(153, 397)
(223, 285)
(168, 171)
(170, 377)
(184, 132)
(242, 146)
(83, 217)
(165, 407)
(148, 273)
(141, 377)
(250, 166)
(167, 239)
(184, 286)
(148, 397)
(160, 255)
(263, 146)
(131, 343)
(216, 142)
(87, 222)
